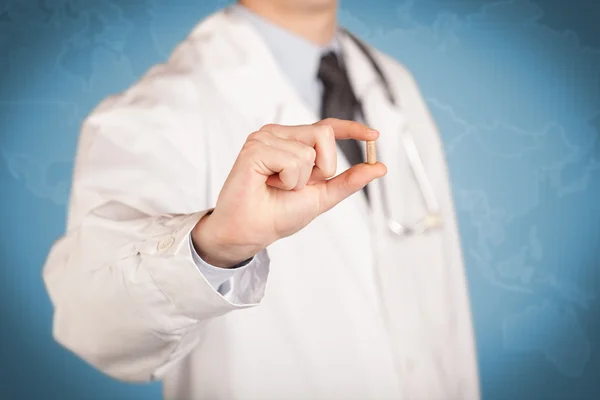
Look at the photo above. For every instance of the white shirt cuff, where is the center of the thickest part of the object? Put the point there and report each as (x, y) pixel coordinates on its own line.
(219, 278)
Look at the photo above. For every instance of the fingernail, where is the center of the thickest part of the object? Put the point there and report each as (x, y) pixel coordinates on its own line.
(373, 133)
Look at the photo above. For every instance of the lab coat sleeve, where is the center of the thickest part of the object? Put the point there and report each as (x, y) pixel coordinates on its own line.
(127, 295)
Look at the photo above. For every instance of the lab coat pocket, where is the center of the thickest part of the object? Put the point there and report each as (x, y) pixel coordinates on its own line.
(412, 281)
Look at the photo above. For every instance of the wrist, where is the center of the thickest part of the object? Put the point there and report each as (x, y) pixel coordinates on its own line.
(218, 248)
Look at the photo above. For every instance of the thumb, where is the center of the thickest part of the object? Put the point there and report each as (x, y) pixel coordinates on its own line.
(336, 189)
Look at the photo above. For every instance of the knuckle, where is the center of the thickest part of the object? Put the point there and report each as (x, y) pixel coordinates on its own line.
(255, 136)
(309, 154)
(327, 133)
(250, 143)
(251, 148)
(294, 162)
(292, 165)
(268, 127)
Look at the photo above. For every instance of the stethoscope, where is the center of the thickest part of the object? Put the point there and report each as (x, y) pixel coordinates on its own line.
(432, 218)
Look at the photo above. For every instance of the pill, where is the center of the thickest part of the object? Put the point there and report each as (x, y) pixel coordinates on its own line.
(371, 152)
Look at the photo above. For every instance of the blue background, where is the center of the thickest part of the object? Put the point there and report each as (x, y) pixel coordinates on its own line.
(514, 86)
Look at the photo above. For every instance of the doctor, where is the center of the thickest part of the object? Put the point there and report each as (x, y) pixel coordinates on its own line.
(222, 240)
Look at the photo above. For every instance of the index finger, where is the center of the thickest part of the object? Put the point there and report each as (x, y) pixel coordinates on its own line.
(344, 129)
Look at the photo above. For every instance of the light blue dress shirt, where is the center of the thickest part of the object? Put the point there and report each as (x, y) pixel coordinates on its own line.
(299, 60)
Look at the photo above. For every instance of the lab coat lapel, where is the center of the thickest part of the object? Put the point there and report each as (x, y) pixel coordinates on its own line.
(248, 75)
(410, 270)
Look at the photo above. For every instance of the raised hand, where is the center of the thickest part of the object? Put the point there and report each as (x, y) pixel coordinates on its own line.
(278, 184)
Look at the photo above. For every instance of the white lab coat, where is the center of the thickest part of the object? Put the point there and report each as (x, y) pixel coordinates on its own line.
(343, 310)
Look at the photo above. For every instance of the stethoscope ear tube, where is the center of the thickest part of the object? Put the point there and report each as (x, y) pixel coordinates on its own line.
(384, 82)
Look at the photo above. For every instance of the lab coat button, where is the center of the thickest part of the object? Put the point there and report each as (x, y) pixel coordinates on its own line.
(166, 243)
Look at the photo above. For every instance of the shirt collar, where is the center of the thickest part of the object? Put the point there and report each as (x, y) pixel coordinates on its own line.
(301, 64)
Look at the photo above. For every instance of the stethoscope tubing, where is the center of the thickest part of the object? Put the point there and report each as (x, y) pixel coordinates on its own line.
(432, 219)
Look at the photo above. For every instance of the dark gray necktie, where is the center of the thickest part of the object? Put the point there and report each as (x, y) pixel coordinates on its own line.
(340, 102)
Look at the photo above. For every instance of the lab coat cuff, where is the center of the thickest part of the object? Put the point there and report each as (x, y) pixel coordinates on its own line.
(170, 262)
